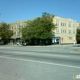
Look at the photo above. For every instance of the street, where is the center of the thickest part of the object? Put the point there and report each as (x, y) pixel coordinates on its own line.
(38, 62)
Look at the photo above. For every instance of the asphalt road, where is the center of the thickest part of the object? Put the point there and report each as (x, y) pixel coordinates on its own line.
(38, 63)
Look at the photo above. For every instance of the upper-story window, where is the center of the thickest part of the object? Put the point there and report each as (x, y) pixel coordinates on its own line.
(74, 25)
(53, 34)
(57, 30)
(18, 33)
(14, 27)
(65, 31)
(17, 26)
(74, 32)
(61, 31)
(10, 27)
(61, 24)
(65, 24)
(57, 22)
(14, 33)
(69, 24)
(22, 25)
(69, 31)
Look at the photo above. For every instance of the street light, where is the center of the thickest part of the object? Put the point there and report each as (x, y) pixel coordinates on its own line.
(62, 40)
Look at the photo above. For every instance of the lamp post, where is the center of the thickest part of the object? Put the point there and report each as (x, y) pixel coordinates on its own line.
(62, 40)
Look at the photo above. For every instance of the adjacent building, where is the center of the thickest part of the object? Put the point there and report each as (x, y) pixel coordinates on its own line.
(16, 27)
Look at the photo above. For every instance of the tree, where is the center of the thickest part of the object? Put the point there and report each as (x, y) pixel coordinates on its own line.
(5, 32)
(47, 25)
(39, 28)
(78, 35)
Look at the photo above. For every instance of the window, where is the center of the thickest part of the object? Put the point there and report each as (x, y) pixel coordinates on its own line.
(57, 22)
(17, 33)
(65, 24)
(57, 30)
(61, 23)
(69, 24)
(69, 31)
(23, 26)
(70, 38)
(61, 31)
(73, 25)
(14, 33)
(10, 28)
(17, 26)
(65, 31)
(74, 32)
(53, 34)
(14, 27)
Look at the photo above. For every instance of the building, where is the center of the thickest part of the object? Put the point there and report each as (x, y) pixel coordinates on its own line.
(16, 28)
(65, 31)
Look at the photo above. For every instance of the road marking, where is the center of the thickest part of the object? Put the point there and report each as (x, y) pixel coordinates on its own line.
(48, 63)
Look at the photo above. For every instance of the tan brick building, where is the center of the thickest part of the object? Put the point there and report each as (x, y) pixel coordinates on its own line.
(66, 29)
(16, 27)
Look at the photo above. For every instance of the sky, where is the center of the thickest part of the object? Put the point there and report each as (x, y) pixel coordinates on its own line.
(20, 10)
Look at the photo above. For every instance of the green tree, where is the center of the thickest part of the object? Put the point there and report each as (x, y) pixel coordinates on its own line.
(47, 25)
(5, 32)
(78, 35)
(39, 28)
